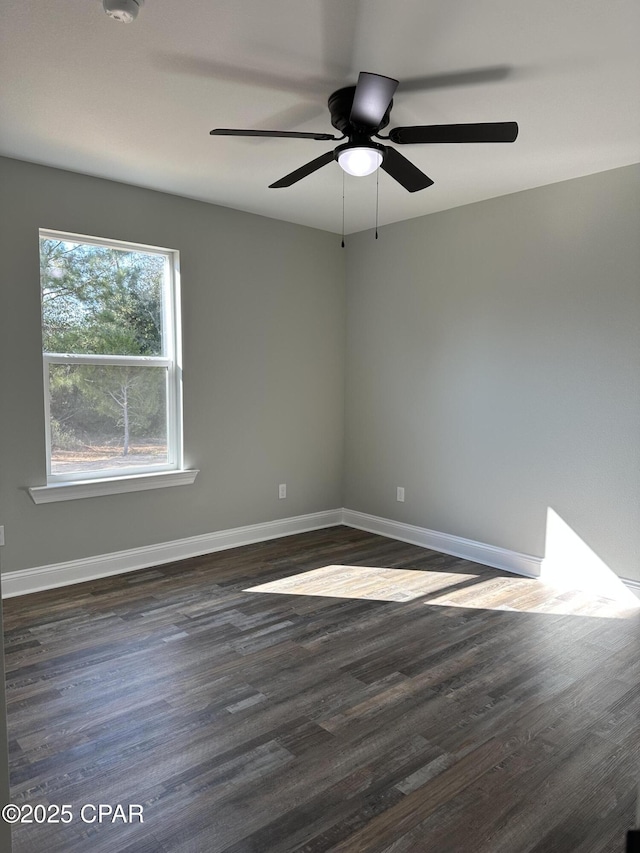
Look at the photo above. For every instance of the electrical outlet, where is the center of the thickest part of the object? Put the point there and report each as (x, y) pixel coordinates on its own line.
(400, 494)
(1, 534)
(282, 490)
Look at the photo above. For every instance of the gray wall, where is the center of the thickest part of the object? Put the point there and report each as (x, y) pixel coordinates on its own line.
(263, 327)
(493, 368)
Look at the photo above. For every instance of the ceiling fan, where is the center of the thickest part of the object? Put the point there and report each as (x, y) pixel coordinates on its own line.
(360, 112)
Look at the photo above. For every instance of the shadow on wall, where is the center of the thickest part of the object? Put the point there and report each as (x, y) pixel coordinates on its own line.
(569, 562)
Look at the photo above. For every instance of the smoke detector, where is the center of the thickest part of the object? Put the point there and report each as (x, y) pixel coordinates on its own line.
(124, 11)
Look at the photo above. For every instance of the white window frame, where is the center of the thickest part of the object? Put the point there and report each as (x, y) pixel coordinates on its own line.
(67, 485)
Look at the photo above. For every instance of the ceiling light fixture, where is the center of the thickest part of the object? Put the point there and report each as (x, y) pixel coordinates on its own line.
(360, 160)
(124, 11)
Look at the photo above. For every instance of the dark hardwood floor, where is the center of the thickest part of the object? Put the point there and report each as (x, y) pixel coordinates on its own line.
(448, 707)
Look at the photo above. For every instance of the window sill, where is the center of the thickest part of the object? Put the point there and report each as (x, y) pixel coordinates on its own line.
(111, 486)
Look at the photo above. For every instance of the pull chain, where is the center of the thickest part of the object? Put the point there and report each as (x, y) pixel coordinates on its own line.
(342, 210)
(377, 196)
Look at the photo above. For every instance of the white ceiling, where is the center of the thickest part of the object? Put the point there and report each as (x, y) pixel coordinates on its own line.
(135, 102)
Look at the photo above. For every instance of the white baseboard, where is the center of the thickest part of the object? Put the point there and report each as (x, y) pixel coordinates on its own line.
(634, 586)
(40, 578)
(468, 549)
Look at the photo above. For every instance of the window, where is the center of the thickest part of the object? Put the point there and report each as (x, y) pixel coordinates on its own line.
(111, 353)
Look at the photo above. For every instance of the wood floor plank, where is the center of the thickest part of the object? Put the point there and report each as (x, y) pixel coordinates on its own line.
(376, 697)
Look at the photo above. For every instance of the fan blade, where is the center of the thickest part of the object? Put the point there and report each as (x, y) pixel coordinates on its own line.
(497, 131)
(468, 77)
(181, 63)
(405, 173)
(371, 99)
(303, 171)
(289, 134)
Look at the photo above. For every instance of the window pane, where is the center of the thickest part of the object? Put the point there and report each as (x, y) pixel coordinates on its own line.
(106, 417)
(101, 300)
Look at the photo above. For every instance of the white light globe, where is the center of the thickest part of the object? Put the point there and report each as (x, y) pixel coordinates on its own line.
(124, 11)
(360, 161)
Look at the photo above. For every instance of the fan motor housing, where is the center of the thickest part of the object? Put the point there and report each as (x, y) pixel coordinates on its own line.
(340, 104)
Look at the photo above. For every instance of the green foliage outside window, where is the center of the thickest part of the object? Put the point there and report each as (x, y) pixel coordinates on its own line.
(100, 300)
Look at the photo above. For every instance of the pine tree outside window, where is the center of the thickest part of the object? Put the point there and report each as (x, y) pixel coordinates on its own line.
(111, 357)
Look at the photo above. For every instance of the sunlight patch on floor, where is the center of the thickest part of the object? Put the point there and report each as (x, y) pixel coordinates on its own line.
(369, 583)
